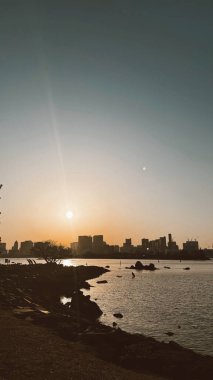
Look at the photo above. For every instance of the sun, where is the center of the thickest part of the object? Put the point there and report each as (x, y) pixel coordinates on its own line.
(69, 214)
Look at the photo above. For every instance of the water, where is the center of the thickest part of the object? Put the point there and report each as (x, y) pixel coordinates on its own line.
(154, 303)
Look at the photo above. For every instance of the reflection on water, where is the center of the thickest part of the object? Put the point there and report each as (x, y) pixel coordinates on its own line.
(154, 303)
(65, 300)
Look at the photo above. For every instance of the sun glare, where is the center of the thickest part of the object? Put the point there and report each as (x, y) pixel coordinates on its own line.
(69, 214)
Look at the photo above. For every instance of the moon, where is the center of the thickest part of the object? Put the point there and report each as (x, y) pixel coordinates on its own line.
(69, 214)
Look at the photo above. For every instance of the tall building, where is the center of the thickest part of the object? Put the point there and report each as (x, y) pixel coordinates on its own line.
(172, 246)
(26, 247)
(127, 247)
(191, 246)
(158, 246)
(98, 243)
(3, 249)
(145, 244)
(15, 246)
(14, 250)
(84, 244)
(162, 244)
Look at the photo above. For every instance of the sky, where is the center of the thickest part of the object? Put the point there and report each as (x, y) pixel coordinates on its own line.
(106, 111)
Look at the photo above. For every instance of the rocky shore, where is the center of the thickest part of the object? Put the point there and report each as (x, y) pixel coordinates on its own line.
(33, 293)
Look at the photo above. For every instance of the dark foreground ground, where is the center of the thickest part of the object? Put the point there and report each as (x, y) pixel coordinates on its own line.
(42, 339)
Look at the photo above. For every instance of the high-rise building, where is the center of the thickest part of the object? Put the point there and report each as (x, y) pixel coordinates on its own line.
(98, 243)
(127, 247)
(14, 250)
(145, 244)
(172, 246)
(84, 244)
(26, 247)
(3, 249)
(191, 246)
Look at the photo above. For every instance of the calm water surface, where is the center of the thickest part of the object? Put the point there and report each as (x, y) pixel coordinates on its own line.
(154, 303)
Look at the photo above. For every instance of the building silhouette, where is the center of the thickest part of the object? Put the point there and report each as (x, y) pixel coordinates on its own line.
(172, 245)
(14, 250)
(127, 246)
(98, 243)
(3, 248)
(26, 247)
(191, 246)
(84, 244)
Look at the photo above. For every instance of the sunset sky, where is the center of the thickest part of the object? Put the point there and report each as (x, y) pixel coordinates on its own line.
(106, 109)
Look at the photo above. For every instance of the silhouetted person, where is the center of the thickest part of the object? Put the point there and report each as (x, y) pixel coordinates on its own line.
(133, 275)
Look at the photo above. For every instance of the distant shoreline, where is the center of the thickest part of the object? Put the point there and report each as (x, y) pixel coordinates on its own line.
(116, 257)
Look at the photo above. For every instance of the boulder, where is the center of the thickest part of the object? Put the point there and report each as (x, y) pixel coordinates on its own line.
(138, 265)
(151, 266)
(82, 305)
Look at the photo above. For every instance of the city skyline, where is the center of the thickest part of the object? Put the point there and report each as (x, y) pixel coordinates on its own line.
(106, 120)
(100, 238)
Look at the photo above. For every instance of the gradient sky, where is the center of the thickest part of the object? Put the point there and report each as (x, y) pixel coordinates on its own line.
(91, 92)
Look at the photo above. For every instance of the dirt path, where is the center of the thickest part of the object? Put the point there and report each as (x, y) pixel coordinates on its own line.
(29, 351)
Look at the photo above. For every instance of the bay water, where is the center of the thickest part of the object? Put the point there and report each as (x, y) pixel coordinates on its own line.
(168, 300)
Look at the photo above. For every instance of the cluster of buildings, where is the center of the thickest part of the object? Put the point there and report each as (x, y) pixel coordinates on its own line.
(95, 246)
(25, 249)
(157, 246)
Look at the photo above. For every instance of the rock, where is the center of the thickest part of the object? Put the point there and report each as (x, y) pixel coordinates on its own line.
(187, 268)
(167, 267)
(107, 266)
(118, 276)
(139, 265)
(83, 305)
(151, 266)
(169, 333)
(118, 315)
(102, 282)
(114, 324)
